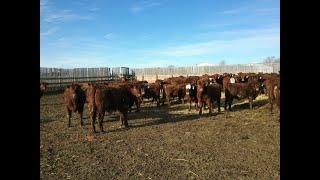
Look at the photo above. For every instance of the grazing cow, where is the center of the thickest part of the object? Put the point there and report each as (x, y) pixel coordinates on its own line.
(43, 87)
(273, 90)
(174, 90)
(110, 99)
(207, 93)
(248, 90)
(74, 99)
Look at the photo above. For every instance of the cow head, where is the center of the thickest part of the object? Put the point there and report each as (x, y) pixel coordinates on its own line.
(143, 88)
(136, 91)
(90, 92)
(202, 86)
(191, 89)
(232, 80)
(72, 93)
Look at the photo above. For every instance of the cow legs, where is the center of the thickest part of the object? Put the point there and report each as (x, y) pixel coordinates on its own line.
(69, 117)
(210, 103)
(93, 121)
(219, 110)
(271, 103)
(169, 101)
(100, 117)
(230, 102)
(158, 101)
(200, 108)
(124, 120)
(138, 105)
(196, 104)
(226, 103)
(250, 102)
(81, 117)
(190, 101)
(92, 114)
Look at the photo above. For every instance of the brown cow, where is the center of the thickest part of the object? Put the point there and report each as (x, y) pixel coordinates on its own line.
(191, 94)
(43, 87)
(227, 79)
(154, 91)
(135, 96)
(110, 99)
(207, 93)
(175, 80)
(248, 90)
(243, 77)
(174, 90)
(74, 98)
(276, 92)
(273, 90)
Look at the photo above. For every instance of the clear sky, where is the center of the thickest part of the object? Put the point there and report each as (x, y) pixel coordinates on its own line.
(157, 33)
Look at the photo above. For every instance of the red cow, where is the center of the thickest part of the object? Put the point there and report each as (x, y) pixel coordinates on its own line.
(43, 87)
(110, 99)
(74, 99)
(248, 90)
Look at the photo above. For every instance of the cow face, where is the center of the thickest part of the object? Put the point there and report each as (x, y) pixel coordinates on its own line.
(161, 92)
(201, 87)
(73, 94)
(135, 91)
(256, 87)
(188, 87)
(90, 92)
(232, 80)
(143, 89)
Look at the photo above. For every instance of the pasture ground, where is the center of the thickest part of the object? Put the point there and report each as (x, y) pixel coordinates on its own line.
(161, 143)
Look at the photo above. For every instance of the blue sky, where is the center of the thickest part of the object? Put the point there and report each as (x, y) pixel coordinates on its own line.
(157, 33)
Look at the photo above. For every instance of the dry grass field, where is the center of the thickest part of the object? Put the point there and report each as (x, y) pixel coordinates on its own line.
(162, 143)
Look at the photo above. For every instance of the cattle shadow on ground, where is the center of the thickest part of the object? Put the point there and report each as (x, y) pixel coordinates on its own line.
(244, 106)
(47, 120)
(51, 104)
(162, 116)
(151, 115)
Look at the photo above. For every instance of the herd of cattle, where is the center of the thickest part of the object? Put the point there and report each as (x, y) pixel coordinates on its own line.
(201, 90)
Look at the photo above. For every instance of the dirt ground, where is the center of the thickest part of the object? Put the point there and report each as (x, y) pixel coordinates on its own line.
(161, 143)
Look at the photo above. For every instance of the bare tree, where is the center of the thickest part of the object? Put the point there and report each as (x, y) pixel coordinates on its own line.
(269, 60)
(222, 63)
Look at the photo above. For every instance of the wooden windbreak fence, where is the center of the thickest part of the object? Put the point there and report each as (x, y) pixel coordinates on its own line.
(58, 78)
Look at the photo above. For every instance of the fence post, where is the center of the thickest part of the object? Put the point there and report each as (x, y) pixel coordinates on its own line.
(73, 75)
(60, 78)
(88, 75)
